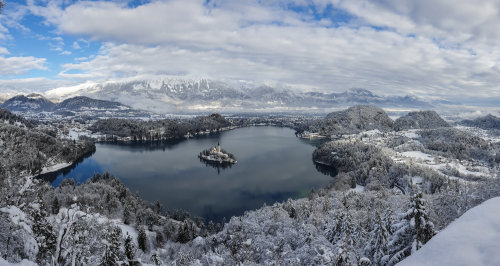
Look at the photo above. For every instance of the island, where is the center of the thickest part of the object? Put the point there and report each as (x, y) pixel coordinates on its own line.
(217, 155)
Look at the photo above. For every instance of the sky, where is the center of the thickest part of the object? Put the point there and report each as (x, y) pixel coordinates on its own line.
(427, 48)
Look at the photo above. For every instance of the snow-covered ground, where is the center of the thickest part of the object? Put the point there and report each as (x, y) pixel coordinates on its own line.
(418, 155)
(54, 167)
(411, 152)
(472, 239)
(22, 263)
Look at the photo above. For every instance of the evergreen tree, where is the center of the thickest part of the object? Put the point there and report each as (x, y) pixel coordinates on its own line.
(112, 252)
(155, 259)
(158, 207)
(333, 233)
(376, 247)
(159, 238)
(349, 232)
(184, 236)
(129, 248)
(423, 226)
(142, 239)
(42, 230)
(411, 232)
(211, 227)
(127, 215)
(108, 259)
(55, 205)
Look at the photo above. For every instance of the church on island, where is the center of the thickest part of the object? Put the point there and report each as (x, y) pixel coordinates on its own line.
(217, 155)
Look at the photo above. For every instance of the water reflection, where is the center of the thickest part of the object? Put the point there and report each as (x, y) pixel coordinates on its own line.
(273, 165)
(326, 169)
(218, 166)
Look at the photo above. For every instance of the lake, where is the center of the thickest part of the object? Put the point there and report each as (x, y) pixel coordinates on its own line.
(273, 165)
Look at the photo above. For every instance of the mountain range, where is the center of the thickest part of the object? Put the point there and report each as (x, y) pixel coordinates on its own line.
(38, 103)
(191, 96)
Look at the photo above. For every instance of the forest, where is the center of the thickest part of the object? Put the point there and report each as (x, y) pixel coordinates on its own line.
(159, 129)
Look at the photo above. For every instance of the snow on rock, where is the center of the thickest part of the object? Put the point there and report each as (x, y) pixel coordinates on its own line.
(472, 239)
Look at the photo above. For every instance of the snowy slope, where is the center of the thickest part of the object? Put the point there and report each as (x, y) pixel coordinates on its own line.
(472, 239)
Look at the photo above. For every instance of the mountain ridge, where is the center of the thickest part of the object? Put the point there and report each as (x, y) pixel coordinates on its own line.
(178, 95)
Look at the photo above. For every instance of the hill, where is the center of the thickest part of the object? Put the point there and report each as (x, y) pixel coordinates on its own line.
(30, 151)
(485, 122)
(351, 121)
(420, 120)
(31, 102)
(35, 106)
(80, 103)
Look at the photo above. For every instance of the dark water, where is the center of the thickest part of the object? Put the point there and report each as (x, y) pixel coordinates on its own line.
(273, 165)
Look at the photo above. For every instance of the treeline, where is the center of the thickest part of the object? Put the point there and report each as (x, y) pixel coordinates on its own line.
(159, 129)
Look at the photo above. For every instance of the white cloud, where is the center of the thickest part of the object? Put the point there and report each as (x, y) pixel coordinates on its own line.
(434, 48)
(20, 65)
(26, 85)
(4, 50)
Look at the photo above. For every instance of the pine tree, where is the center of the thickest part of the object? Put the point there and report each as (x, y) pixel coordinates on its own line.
(108, 259)
(158, 207)
(333, 233)
(211, 227)
(376, 247)
(423, 226)
(349, 233)
(55, 205)
(129, 248)
(112, 253)
(155, 259)
(42, 230)
(142, 239)
(127, 216)
(184, 236)
(411, 232)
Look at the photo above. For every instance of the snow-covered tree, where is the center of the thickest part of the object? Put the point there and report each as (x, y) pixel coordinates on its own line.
(376, 247)
(142, 239)
(43, 232)
(113, 242)
(129, 248)
(411, 232)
